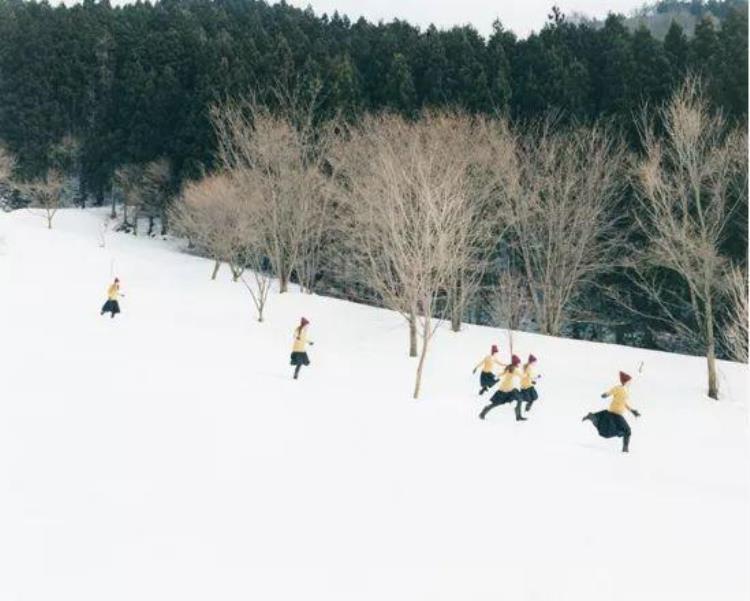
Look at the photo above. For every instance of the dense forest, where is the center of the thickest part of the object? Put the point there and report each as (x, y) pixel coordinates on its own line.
(106, 96)
(134, 83)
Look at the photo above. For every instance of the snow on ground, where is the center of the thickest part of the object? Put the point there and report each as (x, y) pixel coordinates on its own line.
(168, 455)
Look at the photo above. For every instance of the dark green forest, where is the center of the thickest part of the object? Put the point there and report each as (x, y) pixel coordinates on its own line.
(132, 84)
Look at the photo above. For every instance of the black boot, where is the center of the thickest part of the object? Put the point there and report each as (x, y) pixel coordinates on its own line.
(587, 416)
(529, 404)
(296, 371)
(519, 417)
(482, 390)
(625, 443)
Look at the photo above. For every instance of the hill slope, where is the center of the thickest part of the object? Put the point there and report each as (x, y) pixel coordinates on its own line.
(167, 454)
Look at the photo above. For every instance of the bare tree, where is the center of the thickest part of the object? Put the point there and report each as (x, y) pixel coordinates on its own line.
(563, 216)
(494, 181)
(7, 164)
(227, 221)
(281, 158)
(510, 304)
(689, 182)
(157, 192)
(45, 194)
(406, 195)
(130, 178)
(210, 215)
(735, 332)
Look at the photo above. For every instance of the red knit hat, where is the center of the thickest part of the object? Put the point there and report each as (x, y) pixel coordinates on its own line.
(515, 360)
(494, 349)
(624, 378)
(303, 322)
(532, 358)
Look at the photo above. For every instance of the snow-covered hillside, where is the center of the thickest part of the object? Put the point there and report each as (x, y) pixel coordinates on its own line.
(168, 454)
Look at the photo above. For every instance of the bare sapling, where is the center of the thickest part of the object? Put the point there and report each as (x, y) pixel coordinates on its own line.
(45, 194)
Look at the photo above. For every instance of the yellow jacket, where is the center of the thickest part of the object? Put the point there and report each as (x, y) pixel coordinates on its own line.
(300, 340)
(113, 292)
(509, 380)
(488, 363)
(527, 379)
(619, 402)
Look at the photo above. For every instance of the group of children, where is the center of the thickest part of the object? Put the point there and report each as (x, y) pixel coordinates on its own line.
(516, 382)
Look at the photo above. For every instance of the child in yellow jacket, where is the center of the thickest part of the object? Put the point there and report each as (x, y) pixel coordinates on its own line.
(528, 382)
(113, 294)
(299, 346)
(487, 377)
(611, 422)
(507, 390)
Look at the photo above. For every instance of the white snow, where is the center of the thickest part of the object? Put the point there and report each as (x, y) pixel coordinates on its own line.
(168, 455)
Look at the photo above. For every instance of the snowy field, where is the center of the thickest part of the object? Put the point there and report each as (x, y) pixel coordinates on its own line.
(168, 455)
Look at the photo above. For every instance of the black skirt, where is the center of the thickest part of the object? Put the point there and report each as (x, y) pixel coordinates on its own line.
(610, 424)
(500, 397)
(529, 395)
(300, 358)
(487, 379)
(111, 306)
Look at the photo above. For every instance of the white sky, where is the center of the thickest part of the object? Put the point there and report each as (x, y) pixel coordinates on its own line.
(520, 16)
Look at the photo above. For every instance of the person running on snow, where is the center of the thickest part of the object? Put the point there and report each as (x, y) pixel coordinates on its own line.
(610, 422)
(528, 383)
(299, 354)
(112, 305)
(508, 390)
(487, 378)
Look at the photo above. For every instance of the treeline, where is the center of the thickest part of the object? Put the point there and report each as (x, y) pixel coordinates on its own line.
(132, 84)
(453, 215)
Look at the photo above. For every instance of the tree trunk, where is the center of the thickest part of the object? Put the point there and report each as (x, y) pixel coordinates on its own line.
(456, 306)
(217, 264)
(413, 333)
(455, 319)
(283, 282)
(150, 225)
(713, 382)
(113, 214)
(422, 356)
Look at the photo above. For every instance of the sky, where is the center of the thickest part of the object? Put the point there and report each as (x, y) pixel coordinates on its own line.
(520, 16)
